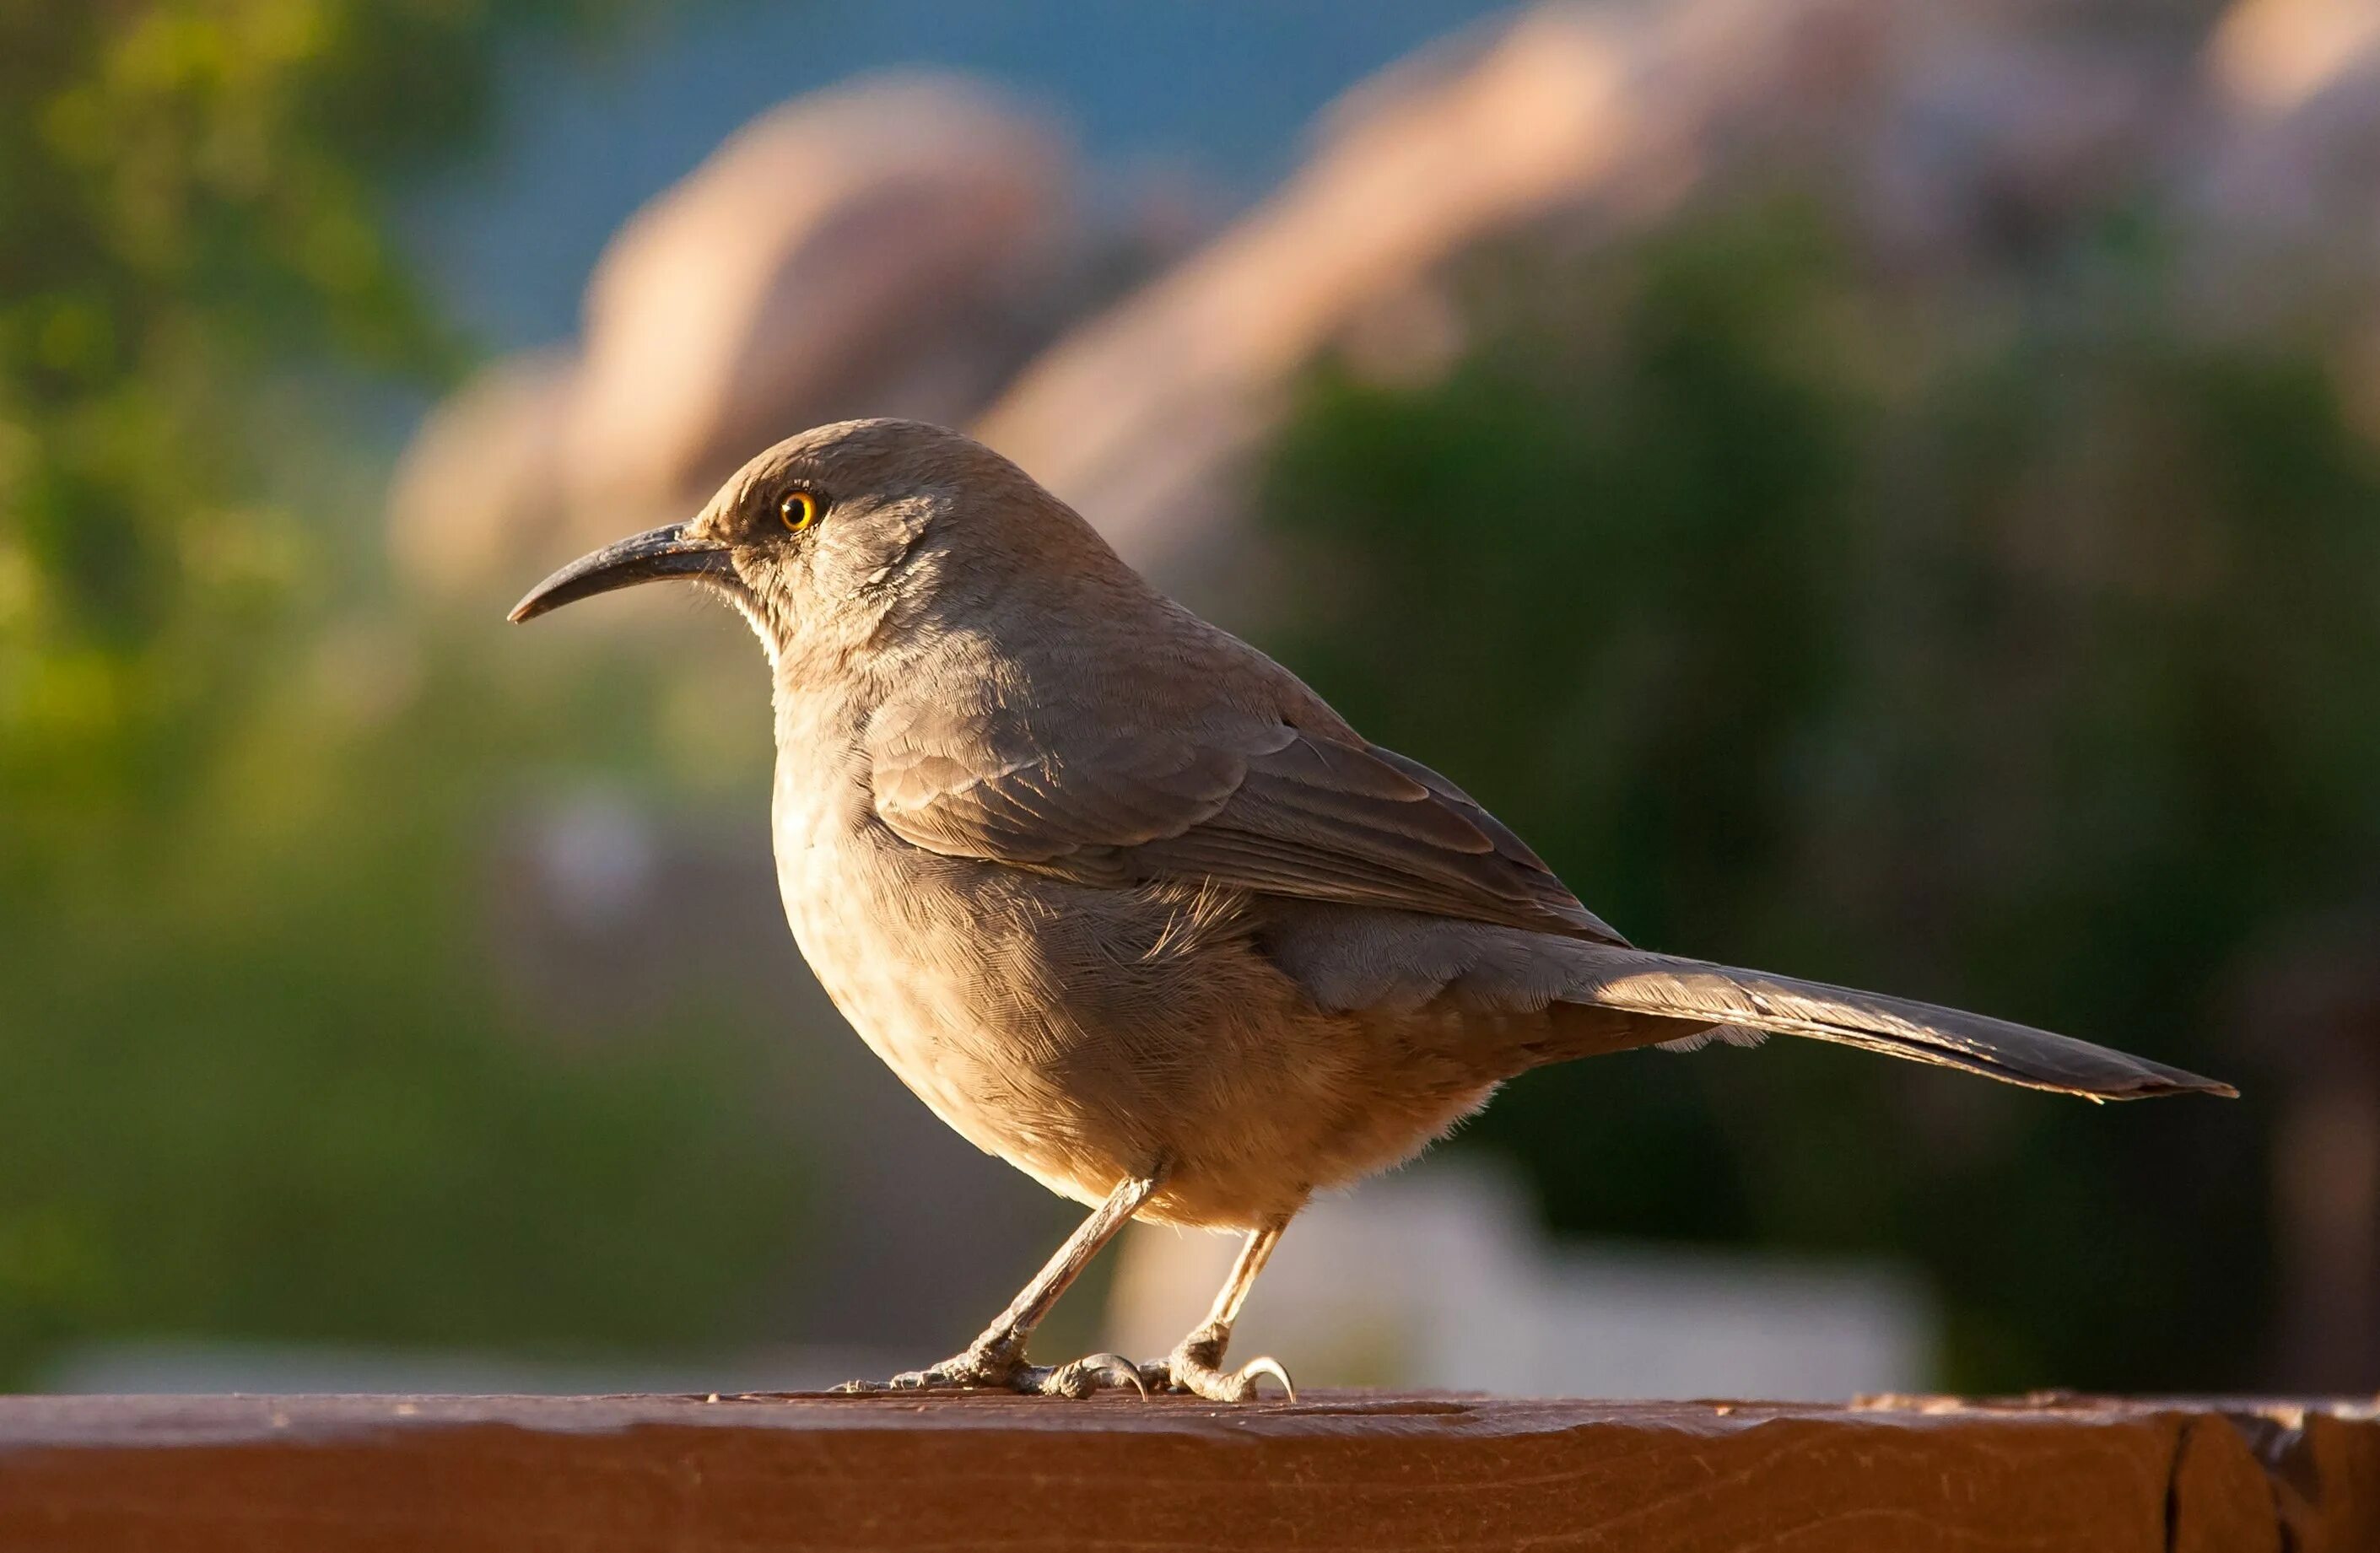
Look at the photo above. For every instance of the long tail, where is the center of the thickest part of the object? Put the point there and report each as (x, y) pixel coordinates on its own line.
(1731, 1002)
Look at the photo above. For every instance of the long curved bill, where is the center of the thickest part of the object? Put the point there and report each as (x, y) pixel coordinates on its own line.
(667, 551)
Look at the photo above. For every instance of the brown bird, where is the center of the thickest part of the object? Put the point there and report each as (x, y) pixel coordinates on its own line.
(1129, 905)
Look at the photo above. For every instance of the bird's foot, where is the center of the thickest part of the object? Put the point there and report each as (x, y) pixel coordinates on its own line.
(1196, 1367)
(1001, 1367)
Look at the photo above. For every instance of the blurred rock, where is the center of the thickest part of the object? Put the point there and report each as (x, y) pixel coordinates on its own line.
(1142, 416)
(890, 247)
(2297, 167)
(1947, 123)
(906, 245)
(481, 487)
(848, 253)
(1982, 134)
(2271, 57)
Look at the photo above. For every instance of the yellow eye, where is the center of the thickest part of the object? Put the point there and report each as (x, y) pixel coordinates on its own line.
(799, 509)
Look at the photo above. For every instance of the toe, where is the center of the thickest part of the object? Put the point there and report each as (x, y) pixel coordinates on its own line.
(1096, 1372)
(972, 1371)
(1189, 1372)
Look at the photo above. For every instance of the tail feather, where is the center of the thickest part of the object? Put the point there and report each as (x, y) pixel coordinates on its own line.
(1717, 1035)
(1739, 1002)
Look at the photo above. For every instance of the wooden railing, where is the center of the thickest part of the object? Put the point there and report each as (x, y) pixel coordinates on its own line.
(1355, 1470)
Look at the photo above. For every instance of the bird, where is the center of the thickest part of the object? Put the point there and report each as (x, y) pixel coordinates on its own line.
(1129, 905)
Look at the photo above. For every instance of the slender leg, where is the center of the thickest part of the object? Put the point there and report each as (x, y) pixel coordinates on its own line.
(1195, 1364)
(996, 1359)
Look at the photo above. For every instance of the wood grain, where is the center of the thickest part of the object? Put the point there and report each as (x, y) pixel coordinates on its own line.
(1338, 1470)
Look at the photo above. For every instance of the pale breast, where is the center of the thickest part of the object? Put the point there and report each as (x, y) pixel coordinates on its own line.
(931, 976)
(1083, 1034)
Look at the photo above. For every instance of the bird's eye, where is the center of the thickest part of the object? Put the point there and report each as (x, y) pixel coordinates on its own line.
(799, 510)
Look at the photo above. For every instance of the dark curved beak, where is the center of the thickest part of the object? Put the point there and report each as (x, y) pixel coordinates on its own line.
(669, 552)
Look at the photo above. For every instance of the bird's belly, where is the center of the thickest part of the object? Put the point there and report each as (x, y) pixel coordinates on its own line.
(1086, 1035)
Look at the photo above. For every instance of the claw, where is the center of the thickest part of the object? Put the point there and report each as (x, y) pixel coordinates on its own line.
(1194, 1368)
(1094, 1372)
(1117, 1371)
(1264, 1366)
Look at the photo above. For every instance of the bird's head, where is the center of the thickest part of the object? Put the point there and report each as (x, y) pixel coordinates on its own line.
(826, 535)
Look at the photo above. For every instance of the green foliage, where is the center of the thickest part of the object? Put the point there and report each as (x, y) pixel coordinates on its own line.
(2022, 657)
(191, 208)
(283, 1092)
(257, 1076)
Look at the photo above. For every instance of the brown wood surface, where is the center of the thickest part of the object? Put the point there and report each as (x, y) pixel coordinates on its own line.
(1338, 1470)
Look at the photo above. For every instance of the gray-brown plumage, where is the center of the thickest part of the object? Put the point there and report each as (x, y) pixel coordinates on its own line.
(1131, 907)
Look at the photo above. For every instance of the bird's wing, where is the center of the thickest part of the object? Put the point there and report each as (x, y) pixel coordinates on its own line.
(1239, 798)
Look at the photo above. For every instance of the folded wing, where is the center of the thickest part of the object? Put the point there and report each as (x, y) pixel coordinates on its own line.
(1242, 798)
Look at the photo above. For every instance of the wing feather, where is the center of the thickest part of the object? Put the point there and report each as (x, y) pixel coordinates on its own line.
(1249, 801)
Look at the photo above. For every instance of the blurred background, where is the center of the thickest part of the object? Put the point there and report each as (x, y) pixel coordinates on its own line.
(1882, 490)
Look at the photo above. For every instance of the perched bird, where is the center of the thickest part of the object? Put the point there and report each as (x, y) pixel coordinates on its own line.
(1129, 905)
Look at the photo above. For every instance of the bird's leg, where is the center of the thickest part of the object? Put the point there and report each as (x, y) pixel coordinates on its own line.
(996, 1359)
(1196, 1363)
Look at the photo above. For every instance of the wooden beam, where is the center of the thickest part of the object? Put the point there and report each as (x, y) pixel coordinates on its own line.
(1336, 1471)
